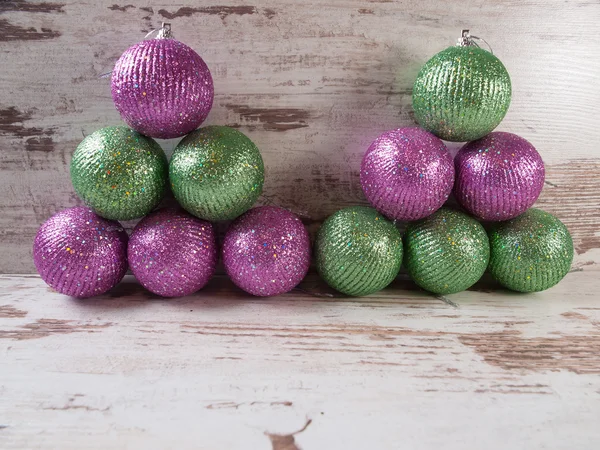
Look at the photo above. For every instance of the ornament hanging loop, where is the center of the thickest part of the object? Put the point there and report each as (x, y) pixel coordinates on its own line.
(468, 40)
(164, 32)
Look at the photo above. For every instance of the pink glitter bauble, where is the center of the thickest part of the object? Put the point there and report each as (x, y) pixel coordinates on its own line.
(162, 88)
(80, 254)
(172, 253)
(266, 251)
(498, 177)
(407, 174)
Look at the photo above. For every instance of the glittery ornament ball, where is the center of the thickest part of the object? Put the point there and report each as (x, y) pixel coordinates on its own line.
(407, 174)
(358, 251)
(216, 173)
(80, 254)
(266, 251)
(461, 94)
(162, 88)
(172, 253)
(119, 173)
(447, 252)
(498, 177)
(530, 253)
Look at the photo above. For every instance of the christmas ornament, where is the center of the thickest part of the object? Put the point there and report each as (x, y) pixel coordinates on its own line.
(498, 176)
(358, 251)
(447, 252)
(161, 87)
(407, 174)
(266, 251)
(119, 173)
(530, 253)
(216, 173)
(462, 93)
(172, 253)
(80, 254)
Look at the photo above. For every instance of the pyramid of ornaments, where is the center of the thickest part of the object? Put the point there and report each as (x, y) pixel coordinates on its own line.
(163, 89)
(460, 95)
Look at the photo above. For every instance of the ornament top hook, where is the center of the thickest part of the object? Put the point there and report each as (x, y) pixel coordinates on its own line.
(468, 40)
(164, 32)
(465, 39)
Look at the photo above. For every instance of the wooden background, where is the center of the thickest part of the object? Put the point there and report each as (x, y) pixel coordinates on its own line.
(312, 83)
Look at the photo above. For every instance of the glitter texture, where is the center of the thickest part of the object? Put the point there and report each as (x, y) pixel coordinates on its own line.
(461, 94)
(119, 173)
(172, 253)
(407, 174)
(80, 254)
(266, 251)
(530, 253)
(216, 173)
(498, 177)
(358, 251)
(447, 252)
(162, 88)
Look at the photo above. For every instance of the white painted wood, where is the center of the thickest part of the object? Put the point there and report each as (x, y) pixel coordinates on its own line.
(221, 370)
(312, 83)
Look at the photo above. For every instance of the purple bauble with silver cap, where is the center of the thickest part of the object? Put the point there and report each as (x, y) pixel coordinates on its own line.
(407, 174)
(266, 251)
(498, 177)
(162, 88)
(80, 254)
(172, 253)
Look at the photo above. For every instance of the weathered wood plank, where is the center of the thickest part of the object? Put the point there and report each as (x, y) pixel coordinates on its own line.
(221, 369)
(311, 83)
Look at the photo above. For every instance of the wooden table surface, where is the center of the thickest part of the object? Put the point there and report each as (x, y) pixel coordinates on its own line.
(223, 370)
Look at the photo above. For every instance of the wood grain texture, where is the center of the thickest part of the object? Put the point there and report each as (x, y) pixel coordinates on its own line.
(222, 370)
(312, 83)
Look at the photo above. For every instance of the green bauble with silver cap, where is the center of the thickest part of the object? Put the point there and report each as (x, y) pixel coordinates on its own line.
(446, 252)
(358, 251)
(216, 173)
(119, 173)
(462, 93)
(531, 252)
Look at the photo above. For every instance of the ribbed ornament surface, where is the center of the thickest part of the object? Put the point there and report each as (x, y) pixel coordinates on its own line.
(461, 94)
(530, 253)
(80, 254)
(119, 173)
(498, 177)
(447, 252)
(407, 174)
(162, 88)
(266, 251)
(172, 253)
(216, 173)
(358, 251)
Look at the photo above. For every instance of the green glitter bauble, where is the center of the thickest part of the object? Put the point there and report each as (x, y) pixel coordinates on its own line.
(531, 252)
(119, 173)
(461, 94)
(216, 173)
(446, 252)
(358, 251)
